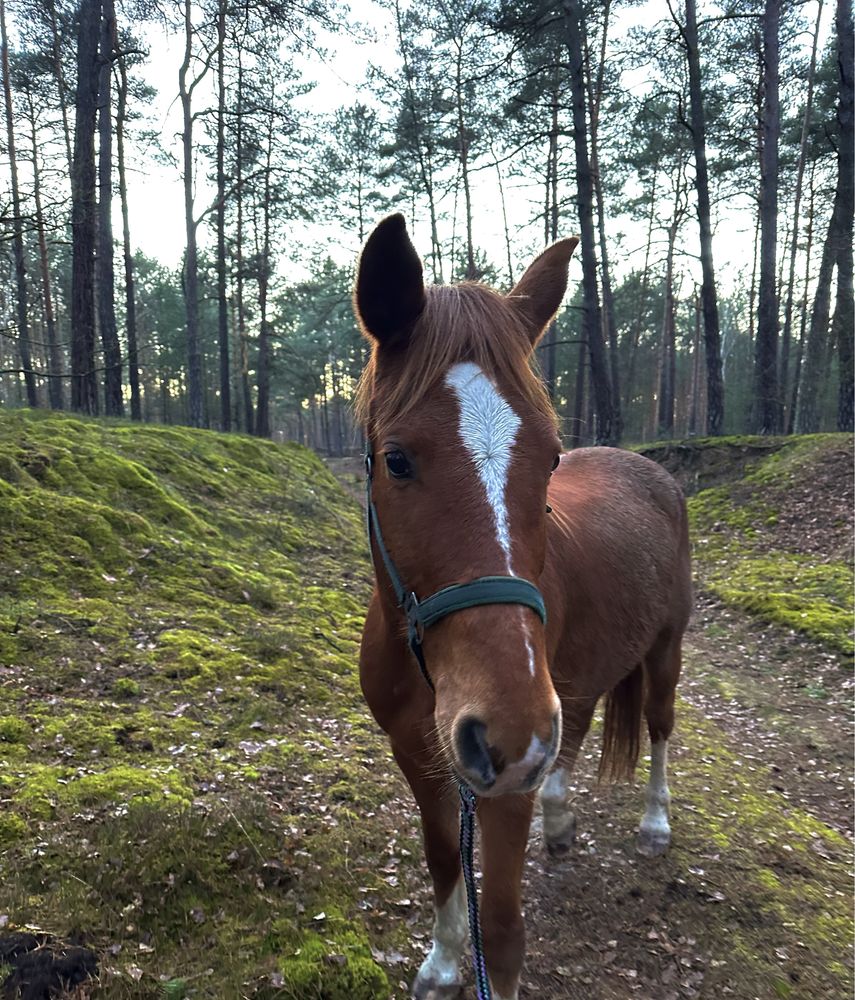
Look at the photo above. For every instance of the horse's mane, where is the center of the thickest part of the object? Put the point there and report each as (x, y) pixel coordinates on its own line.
(466, 322)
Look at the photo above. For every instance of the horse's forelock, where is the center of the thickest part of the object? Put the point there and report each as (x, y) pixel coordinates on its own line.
(467, 322)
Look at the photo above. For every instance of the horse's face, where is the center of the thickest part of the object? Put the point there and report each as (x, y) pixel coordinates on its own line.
(461, 472)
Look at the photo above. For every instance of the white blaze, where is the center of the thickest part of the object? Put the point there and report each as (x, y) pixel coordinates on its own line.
(488, 427)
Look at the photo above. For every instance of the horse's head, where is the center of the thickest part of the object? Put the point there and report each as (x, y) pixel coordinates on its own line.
(464, 441)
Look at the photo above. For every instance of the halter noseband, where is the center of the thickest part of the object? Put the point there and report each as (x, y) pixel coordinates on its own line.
(459, 596)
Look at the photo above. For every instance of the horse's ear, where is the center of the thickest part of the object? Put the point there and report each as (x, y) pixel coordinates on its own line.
(538, 293)
(390, 291)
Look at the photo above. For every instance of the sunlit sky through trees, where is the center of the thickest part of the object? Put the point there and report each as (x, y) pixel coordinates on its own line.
(339, 70)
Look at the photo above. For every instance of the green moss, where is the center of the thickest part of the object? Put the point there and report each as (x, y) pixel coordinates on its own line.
(13, 730)
(340, 968)
(13, 829)
(731, 530)
(178, 604)
(126, 687)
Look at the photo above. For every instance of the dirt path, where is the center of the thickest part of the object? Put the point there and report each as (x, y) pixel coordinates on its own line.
(753, 899)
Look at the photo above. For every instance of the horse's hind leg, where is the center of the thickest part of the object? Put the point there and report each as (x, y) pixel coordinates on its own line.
(559, 821)
(662, 671)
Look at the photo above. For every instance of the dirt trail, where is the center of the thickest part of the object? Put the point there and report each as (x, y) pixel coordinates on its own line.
(753, 899)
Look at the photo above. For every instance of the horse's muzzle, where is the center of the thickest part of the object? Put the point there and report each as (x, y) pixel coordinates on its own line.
(484, 767)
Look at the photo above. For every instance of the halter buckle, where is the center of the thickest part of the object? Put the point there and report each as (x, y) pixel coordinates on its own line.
(414, 618)
(369, 467)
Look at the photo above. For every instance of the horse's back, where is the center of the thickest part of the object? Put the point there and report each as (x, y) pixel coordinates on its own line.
(617, 574)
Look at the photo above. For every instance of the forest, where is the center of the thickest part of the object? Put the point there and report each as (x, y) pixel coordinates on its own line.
(704, 153)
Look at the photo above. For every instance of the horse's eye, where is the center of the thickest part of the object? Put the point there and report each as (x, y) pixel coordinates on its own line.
(555, 462)
(398, 465)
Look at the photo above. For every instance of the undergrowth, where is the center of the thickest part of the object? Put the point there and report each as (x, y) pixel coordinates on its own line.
(740, 558)
(179, 616)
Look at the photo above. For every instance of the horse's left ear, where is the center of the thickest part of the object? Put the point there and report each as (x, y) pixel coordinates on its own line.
(389, 294)
(538, 293)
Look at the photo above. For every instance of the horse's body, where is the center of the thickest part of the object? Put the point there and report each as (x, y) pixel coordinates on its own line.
(468, 452)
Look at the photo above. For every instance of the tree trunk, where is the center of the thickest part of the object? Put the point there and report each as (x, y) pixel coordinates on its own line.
(113, 401)
(222, 303)
(504, 221)
(17, 232)
(837, 250)
(59, 74)
(595, 94)
(424, 162)
(786, 338)
(239, 263)
(472, 272)
(712, 337)
(766, 410)
(694, 410)
(645, 281)
(130, 289)
(84, 385)
(591, 322)
(668, 349)
(195, 402)
(54, 383)
(845, 308)
(262, 410)
(549, 349)
(800, 349)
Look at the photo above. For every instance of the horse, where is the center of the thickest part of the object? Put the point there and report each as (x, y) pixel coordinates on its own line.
(468, 480)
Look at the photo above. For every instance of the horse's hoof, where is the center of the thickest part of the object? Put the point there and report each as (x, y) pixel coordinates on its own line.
(558, 845)
(652, 843)
(427, 988)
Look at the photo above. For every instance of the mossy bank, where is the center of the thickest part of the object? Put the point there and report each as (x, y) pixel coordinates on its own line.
(773, 535)
(185, 763)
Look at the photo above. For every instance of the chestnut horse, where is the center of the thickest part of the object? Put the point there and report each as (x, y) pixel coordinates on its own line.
(466, 456)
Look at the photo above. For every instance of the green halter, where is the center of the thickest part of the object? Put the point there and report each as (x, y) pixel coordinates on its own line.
(422, 614)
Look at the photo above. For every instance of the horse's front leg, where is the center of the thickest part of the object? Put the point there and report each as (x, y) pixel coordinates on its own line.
(440, 976)
(504, 824)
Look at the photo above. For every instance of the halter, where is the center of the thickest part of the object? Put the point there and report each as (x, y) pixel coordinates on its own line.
(420, 615)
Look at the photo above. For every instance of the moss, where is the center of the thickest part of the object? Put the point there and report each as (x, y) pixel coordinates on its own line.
(178, 604)
(731, 527)
(792, 867)
(13, 730)
(13, 829)
(345, 971)
(126, 687)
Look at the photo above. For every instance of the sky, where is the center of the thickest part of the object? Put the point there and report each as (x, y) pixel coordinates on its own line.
(156, 194)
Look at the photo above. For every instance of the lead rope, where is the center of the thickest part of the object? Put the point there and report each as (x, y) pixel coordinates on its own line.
(467, 839)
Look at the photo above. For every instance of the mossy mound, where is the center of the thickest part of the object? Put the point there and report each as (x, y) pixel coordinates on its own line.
(179, 619)
(776, 541)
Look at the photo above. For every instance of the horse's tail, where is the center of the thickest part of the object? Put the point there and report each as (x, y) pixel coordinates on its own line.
(622, 727)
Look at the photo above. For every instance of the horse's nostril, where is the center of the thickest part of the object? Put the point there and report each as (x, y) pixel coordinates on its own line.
(473, 751)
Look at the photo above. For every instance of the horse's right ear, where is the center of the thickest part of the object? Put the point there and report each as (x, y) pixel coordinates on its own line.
(390, 290)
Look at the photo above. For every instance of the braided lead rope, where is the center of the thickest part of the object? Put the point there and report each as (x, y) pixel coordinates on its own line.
(467, 838)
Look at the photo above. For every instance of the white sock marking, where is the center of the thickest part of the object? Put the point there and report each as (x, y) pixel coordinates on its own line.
(557, 816)
(655, 819)
(450, 930)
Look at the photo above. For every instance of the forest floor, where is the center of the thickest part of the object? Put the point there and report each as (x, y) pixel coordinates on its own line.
(194, 803)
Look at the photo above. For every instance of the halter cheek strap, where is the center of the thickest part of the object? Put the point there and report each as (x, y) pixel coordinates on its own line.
(422, 614)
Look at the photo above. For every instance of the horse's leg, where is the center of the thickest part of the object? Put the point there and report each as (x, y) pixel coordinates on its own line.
(439, 977)
(559, 821)
(504, 823)
(662, 670)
